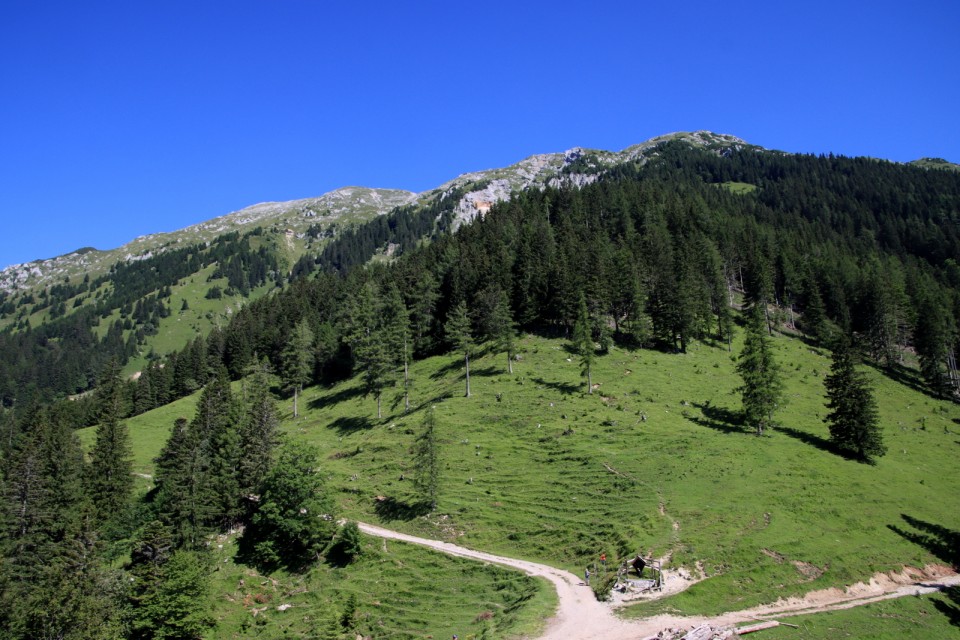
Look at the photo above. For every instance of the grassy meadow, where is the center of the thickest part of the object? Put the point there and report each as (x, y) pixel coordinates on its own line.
(654, 460)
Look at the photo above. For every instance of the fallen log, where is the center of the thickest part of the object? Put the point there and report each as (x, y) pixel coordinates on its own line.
(750, 628)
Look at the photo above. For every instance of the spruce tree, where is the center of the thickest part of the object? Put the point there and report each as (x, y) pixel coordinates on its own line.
(298, 360)
(582, 343)
(54, 582)
(762, 388)
(175, 601)
(296, 518)
(426, 460)
(197, 471)
(110, 474)
(259, 435)
(397, 335)
(460, 334)
(933, 334)
(375, 341)
(853, 419)
(502, 327)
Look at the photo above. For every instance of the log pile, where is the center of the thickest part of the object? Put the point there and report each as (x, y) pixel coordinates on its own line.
(709, 632)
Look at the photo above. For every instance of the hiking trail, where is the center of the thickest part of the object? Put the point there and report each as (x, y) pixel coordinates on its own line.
(580, 616)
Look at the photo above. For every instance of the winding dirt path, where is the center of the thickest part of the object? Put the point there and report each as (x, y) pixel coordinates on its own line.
(580, 616)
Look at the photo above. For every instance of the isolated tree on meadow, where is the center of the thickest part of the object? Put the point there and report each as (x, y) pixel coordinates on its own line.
(582, 343)
(762, 388)
(426, 460)
(460, 334)
(398, 337)
(502, 327)
(853, 419)
(298, 360)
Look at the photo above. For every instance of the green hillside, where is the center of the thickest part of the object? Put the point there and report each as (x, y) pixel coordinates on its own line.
(645, 260)
(654, 460)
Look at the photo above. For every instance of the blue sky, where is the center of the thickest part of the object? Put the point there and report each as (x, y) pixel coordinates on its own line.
(127, 118)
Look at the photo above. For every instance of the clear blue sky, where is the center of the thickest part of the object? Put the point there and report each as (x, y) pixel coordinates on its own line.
(119, 119)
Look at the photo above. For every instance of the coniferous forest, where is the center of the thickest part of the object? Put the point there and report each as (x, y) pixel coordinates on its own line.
(858, 256)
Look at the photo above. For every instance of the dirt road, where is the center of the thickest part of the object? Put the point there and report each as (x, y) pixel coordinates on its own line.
(580, 617)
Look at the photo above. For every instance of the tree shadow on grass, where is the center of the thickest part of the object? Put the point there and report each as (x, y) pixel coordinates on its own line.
(816, 441)
(346, 425)
(952, 611)
(720, 419)
(390, 509)
(487, 372)
(347, 393)
(566, 388)
(938, 540)
(447, 369)
(944, 544)
(906, 376)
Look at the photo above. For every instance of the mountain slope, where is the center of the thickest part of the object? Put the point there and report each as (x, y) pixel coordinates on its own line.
(349, 205)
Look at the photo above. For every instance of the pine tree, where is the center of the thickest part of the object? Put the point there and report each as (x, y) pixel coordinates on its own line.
(197, 471)
(396, 319)
(376, 340)
(459, 332)
(502, 327)
(426, 460)
(259, 435)
(54, 582)
(933, 335)
(423, 305)
(298, 360)
(853, 419)
(762, 387)
(296, 518)
(582, 343)
(110, 474)
(175, 602)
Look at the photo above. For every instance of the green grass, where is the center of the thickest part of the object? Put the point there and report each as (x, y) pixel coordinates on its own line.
(739, 188)
(402, 591)
(553, 474)
(930, 616)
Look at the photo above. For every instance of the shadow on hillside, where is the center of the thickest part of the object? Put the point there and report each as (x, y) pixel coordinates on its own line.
(392, 509)
(952, 611)
(906, 376)
(720, 419)
(816, 441)
(565, 388)
(347, 393)
(944, 544)
(447, 369)
(346, 425)
(487, 372)
(938, 540)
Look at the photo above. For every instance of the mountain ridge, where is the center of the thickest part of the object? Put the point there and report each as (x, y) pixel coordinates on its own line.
(576, 166)
(546, 169)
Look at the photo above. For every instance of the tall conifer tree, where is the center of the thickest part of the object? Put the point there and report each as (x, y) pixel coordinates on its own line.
(853, 419)
(582, 343)
(110, 474)
(298, 360)
(426, 460)
(762, 388)
(460, 334)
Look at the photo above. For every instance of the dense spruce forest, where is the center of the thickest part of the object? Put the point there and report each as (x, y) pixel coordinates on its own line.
(649, 256)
